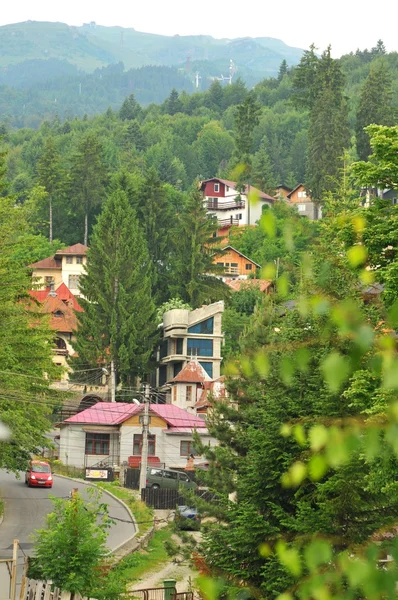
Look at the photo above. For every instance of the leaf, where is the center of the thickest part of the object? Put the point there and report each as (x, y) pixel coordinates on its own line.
(317, 553)
(265, 550)
(357, 255)
(282, 285)
(299, 435)
(318, 436)
(286, 430)
(268, 271)
(210, 587)
(390, 375)
(317, 467)
(286, 370)
(297, 473)
(335, 369)
(289, 558)
(372, 443)
(261, 362)
(393, 315)
(268, 223)
(253, 197)
(303, 357)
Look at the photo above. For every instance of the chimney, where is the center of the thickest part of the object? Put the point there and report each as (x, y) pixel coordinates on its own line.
(52, 292)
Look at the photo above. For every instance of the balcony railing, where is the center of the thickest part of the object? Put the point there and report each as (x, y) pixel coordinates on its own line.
(231, 270)
(60, 351)
(225, 205)
(222, 223)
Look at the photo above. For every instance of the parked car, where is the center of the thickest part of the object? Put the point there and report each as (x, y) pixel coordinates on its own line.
(187, 517)
(38, 474)
(167, 479)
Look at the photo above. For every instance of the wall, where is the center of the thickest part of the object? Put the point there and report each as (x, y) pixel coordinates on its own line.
(38, 277)
(231, 256)
(72, 269)
(209, 189)
(72, 447)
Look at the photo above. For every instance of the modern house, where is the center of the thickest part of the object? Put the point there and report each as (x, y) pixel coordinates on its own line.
(111, 433)
(232, 207)
(299, 198)
(61, 305)
(186, 334)
(66, 266)
(235, 264)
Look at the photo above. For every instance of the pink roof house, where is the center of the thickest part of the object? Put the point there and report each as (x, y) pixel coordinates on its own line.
(111, 433)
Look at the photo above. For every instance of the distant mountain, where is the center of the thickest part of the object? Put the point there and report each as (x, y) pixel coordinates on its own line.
(91, 46)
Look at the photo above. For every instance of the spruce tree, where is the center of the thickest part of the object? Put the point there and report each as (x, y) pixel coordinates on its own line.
(283, 70)
(88, 178)
(193, 272)
(375, 105)
(262, 175)
(52, 177)
(130, 109)
(118, 322)
(173, 103)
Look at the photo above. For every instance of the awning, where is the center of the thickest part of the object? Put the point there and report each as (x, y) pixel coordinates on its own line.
(101, 429)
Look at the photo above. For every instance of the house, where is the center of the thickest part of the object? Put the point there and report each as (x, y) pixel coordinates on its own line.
(232, 207)
(186, 334)
(111, 433)
(187, 387)
(282, 191)
(264, 285)
(66, 266)
(299, 198)
(235, 264)
(62, 306)
(212, 391)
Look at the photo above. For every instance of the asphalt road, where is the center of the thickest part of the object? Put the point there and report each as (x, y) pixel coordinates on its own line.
(26, 508)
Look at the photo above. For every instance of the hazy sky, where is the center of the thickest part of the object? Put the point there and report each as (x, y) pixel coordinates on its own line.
(345, 24)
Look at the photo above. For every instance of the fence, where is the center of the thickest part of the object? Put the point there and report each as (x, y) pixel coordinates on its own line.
(43, 590)
(169, 499)
(132, 479)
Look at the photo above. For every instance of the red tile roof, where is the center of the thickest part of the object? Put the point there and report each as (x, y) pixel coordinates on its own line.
(47, 263)
(238, 284)
(63, 318)
(63, 293)
(193, 372)
(114, 413)
(78, 249)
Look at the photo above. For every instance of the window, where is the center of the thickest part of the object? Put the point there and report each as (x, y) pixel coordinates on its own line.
(183, 477)
(208, 367)
(97, 443)
(186, 448)
(216, 187)
(234, 265)
(301, 207)
(212, 203)
(170, 474)
(221, 264)
(58, 313)
(69, 260)
(302, 194)
(238, 216)
(248, 267)
(227, 188)
(73, 282)
(177, 368)
(205, 327)
(48, 280)
(199, 347)
(137, 444)
(174, 394)
(163, 349)
(162, 375)
(79, 260)
(188, 393)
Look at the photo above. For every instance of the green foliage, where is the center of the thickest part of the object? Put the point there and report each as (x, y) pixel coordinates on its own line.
(71, 549)
(170, 305)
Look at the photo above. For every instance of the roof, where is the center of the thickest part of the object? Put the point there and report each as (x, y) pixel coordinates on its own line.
(216, 388)
(295, 189)
(238, 284)
(232, 184)
(63, 317)
(285, 187)
(115, 413)
(78, 249)
(240, 254)
(63, 293)
(47, 263)
(193, 372)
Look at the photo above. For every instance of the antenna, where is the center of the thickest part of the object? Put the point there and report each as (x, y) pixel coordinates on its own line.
(197, 79)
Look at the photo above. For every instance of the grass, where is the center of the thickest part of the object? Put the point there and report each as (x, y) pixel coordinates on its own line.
(142, 513)
(132, 567)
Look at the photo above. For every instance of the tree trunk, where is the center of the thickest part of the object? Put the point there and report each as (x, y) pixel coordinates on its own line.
(85, 229)
(51, 220)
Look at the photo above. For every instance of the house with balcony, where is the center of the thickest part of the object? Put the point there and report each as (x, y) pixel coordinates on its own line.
(302, 201)
(235, 264)
(61, 305)
(233, 207)
(188, 334)
(111, 433)
(65, 266)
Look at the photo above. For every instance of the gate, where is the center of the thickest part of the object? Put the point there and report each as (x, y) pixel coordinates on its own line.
(149, 594)
(132, 479)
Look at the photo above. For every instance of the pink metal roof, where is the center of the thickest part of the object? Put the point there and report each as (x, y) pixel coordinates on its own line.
(114, 413)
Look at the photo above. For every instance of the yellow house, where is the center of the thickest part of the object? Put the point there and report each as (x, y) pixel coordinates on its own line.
(66, 266)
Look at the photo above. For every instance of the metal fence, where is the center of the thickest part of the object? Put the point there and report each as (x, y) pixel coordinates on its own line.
(148, 594)
(169, 499)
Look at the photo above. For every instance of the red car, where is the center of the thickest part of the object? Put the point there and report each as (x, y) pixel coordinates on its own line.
(38, 474)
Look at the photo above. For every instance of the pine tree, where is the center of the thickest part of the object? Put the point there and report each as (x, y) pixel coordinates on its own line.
(130, 109)
(375, 105)
(88, 178)
(262, 175)
(118, 322)
(25, 350)
(215, 95)
(283, 70)
(304, 81)
(192, 264)
(52, 177)
(173, 104)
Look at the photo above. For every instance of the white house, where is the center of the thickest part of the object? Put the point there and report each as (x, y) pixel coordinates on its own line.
(232, 207)
(111, 433)
(66, 266)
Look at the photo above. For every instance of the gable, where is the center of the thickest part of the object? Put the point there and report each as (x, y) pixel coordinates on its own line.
(134, 421)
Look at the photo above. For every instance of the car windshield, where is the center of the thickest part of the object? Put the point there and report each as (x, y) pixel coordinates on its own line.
(41, 469)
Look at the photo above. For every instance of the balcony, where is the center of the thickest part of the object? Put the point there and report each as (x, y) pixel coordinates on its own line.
(231, 270)
(225, 205)
(60, 351)
(222, 223)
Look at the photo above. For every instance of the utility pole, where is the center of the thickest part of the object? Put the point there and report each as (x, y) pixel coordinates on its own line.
(144, 447)
(13, 589)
